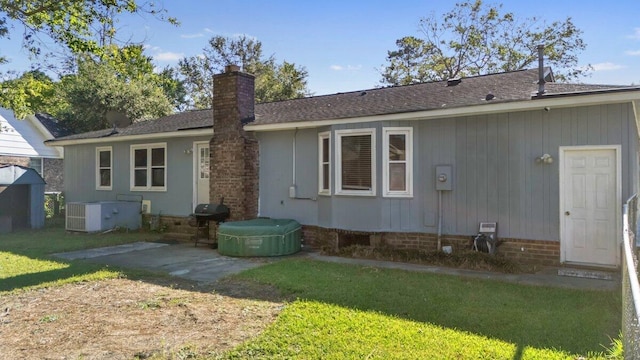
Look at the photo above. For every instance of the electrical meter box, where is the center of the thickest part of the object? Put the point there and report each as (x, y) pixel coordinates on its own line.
(444, 177)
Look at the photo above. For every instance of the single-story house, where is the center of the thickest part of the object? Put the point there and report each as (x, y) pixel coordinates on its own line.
(22, 143)
(404, 166)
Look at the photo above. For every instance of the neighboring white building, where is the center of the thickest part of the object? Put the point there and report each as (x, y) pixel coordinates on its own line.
(22, 143)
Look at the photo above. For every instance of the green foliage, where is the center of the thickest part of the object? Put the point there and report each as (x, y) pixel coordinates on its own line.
(53, 205)
(120, 79)
(86, 29)
(49, 318)
(274, 81)
(30, 93)
(79, 26)
(100, 87)
(364, 312)
(615, 351)
(475, 39)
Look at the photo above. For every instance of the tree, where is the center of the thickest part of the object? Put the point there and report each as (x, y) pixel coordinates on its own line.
(475, 39)
(31, 90)
(273, 81)
(125, 72)
(79, 26)
(98, 88)
(85, 28)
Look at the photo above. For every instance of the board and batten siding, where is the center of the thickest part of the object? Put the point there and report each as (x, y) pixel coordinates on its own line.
(177, 200)
(496, 177)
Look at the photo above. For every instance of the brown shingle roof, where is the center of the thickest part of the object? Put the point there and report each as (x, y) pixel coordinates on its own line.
(502, 87)
(188, 120)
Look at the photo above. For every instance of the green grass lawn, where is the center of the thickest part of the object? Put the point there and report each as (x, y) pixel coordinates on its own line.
(362, 312)
(26, 261)
(352, 312)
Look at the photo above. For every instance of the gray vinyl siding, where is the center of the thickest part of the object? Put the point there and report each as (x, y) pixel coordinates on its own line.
(177, 200)
(495, 174)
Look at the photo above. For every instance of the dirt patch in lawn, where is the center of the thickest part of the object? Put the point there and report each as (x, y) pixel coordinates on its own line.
(125, 319)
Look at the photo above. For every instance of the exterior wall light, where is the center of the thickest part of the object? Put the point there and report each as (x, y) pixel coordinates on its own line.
(544, 159)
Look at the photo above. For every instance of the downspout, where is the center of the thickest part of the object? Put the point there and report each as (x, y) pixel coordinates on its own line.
(439, 220)
(541, 81)
(292, 189)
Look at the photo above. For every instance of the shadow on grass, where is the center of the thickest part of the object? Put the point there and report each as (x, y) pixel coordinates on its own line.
(569, 320)
(574, 321)
(38, 245)
(37, 279)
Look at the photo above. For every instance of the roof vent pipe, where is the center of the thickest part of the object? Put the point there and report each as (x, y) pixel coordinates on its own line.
(540, 70)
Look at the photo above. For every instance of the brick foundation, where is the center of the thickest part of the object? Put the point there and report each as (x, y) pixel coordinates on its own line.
(177, 225)
(538, 252)
(14, 160)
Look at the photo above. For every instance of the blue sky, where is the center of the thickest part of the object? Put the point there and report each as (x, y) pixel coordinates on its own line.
(343, 44)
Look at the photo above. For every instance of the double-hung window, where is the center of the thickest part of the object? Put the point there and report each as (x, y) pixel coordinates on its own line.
(148, 167)
(324, 161)
(355, 162)
(104, 166)
(397, 161)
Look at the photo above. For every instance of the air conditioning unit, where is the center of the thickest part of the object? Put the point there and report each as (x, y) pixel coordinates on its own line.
(103, 215)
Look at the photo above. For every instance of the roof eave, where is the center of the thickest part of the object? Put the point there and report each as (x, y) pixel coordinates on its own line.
(112, 139)
(584, 99)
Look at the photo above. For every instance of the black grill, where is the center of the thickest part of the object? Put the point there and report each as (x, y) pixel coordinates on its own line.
(211, 212)
(202, 215)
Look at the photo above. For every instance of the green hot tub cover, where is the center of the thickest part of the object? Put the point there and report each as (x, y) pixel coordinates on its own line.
(259, 237)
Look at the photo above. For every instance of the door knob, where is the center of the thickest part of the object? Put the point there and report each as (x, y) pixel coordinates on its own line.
(567, 213)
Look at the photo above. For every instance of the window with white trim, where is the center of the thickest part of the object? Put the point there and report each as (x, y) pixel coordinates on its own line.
(397, 161)
(148, 167)
(104, 168)
(355, 162)
(324, 161)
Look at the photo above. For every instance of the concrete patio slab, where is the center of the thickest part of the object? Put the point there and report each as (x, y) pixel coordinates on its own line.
(201, 264)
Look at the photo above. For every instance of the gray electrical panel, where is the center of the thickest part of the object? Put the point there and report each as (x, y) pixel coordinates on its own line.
(444, 177)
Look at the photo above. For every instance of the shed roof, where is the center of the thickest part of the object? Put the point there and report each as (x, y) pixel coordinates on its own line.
(19, 175)
(466, 92)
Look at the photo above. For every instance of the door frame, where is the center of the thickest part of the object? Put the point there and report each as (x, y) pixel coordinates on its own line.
(196, 170)
(562, 151)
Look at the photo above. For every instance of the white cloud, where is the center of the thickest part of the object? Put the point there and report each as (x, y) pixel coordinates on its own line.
(348, 67)
(208, 30)
(633, 52)
(607, 66)
(191, 36)
(636, 34)
(168, 56)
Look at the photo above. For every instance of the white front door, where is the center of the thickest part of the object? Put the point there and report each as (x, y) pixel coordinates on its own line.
(201, 157)
(590, 200)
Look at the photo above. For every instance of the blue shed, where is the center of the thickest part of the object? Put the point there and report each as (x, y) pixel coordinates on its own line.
(21, 198)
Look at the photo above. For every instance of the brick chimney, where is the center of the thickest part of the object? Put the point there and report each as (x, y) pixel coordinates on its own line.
(233, 152)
